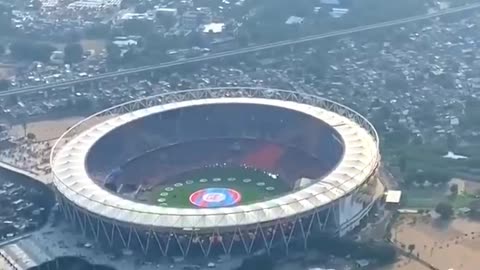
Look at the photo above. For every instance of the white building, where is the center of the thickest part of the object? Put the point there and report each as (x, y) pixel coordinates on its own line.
(338, 12)
(393, 196)
(294, 20)
(46, 4)
(213, 28)
(95, 4)
(330, 2)
(452, 155)
(166, 11)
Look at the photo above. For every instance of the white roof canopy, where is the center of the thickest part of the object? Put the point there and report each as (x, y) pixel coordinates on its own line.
(71, 179)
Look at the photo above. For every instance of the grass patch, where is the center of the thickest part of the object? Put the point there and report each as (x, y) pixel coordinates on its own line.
(462, 200)
(428, 199)
(175, 195)
(421, 203)
(420, 198)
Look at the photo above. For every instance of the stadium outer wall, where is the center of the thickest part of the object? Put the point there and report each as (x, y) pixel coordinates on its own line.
(338, 217)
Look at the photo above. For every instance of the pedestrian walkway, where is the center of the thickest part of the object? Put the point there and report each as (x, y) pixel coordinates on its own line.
(8, 263)
(40, 178)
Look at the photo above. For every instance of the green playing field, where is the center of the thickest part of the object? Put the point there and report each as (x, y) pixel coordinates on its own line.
(253, 185)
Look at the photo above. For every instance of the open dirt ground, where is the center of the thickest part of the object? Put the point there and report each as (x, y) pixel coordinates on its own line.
(406, 264)
(48, 130)
(455, 245)
(6, 71)
(97, 45)
(33, 155)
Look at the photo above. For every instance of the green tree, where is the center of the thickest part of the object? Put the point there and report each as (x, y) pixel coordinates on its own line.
(114, 54)
(426, 113)
(399, 136)
(196, 39)
(141, 8)
(155, 47)
(73, 36)
(31, 136)
(454, 189)
(165, 20)
(36, 4)
(138, 27)
(260, 262)
(445, 210)
(24, 50)
(411, 248)
(402, 163)
(11, 100)
(475, 208)
(317, 63)
(6, 27)
(435, 175)
(373, 11)
(451, 141)
(396, 82)
(98, 30)
(268, 23)
(4, 84)
(472, 111)
(73, 53)
(243, 38)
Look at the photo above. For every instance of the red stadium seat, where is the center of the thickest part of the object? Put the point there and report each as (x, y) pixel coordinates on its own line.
(266, 158)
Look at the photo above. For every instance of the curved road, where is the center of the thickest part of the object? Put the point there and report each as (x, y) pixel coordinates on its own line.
(251, 49)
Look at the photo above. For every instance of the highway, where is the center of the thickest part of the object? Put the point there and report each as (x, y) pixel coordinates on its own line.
(246, 50)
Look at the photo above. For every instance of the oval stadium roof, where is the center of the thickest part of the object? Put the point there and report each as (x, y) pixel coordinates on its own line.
(360, 159)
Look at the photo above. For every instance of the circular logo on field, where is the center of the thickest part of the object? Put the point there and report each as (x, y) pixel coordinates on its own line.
(215, 197)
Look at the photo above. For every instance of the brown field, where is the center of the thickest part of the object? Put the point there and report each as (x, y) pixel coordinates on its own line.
(454, 245)
(98, 45)
(45, 130)
(34, 155)
(6, 71)
(48, 130)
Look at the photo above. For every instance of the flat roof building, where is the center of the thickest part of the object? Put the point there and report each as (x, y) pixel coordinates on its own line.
(393, 196)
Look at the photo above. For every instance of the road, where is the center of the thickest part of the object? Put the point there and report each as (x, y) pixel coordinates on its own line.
(246, 50)
(14, 239)
(388, 180)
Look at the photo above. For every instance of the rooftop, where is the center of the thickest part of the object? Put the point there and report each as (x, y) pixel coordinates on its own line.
(358, 163)
(393, 196)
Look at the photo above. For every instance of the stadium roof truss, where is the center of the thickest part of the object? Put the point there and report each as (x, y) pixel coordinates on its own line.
(360, 160)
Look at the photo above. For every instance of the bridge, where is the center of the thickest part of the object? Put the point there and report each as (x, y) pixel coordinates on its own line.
(251, 49)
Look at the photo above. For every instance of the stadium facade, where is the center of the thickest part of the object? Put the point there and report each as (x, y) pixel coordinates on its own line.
(335, 202)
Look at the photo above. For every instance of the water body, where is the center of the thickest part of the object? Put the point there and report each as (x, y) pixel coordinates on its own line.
(70, 263)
